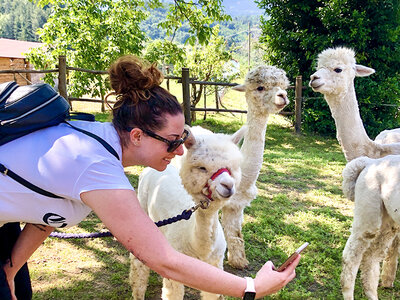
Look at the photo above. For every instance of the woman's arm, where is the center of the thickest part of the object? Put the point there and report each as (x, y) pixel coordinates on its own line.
(120, 211)
(31, 237)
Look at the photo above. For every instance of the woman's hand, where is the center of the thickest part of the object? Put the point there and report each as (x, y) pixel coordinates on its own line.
(268, 281)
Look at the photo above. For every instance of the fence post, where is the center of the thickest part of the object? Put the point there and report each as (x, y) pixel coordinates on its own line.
(167, 71)
(62, 77)
(186, 95)
(298, 100)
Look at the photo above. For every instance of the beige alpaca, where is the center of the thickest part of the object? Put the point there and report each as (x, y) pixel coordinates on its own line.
(334, 78)
(265, 92)
(166, 194)
(373, 185)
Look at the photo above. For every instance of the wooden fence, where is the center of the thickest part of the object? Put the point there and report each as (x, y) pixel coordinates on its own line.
(185, 80)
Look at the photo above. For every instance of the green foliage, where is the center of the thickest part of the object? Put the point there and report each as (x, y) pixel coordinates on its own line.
(200, 15)
(19, 19)
(164, 52)
(297, 31)
(206, 63)
(91, 34)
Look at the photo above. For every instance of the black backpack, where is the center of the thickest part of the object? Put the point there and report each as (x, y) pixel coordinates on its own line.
(25, 109)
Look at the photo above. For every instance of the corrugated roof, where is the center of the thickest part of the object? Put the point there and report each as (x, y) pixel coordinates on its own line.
(16, 49)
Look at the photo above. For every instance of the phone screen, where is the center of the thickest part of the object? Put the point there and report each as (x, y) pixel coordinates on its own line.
(292, 257)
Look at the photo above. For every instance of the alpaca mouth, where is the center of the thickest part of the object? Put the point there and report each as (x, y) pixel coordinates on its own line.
(224, 192)
(280, 106)
(315, 86)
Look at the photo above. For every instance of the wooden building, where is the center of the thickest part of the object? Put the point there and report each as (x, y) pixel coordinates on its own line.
(12, 57)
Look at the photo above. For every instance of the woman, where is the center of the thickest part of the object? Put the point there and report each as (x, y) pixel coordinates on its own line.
(147, 129)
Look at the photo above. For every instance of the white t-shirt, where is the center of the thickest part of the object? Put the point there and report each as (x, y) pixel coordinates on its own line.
(65, 162)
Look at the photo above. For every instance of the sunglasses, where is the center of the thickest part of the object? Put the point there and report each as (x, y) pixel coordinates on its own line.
(172, 145)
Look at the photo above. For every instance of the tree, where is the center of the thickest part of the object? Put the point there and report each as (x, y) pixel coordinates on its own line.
(19, 19)
(298, 30)
(91, 34)
(206, 63)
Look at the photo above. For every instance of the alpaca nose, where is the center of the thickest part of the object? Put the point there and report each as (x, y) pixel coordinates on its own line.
(226, 190)
(314, 77)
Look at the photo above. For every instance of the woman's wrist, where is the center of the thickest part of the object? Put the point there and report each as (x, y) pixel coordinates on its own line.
(250, 291)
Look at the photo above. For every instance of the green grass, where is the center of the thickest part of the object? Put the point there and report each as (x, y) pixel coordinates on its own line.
(299, 199)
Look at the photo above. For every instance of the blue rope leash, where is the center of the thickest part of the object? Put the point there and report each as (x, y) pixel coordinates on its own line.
(185, 215)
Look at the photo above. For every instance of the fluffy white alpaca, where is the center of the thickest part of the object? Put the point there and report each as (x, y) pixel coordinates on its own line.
(334, 78)
(265, 92)
(166, 194)
(373, 184)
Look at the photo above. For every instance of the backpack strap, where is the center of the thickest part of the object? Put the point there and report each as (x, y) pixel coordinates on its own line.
(26, 183)
(96, 137)
(19, 179)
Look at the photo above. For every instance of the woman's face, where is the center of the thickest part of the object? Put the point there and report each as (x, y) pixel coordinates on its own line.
(154, 152)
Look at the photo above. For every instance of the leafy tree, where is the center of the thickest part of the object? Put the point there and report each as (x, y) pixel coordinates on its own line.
(298, 30)
(91, 34)
(206, 63)
(200, 15)
(164, 53)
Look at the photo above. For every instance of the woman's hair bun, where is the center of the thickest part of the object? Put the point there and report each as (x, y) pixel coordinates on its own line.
(131, 75)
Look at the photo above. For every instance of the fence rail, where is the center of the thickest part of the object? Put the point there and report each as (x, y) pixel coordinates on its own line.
(185, 80)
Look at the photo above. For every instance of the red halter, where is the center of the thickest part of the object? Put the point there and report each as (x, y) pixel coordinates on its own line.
(215, 175)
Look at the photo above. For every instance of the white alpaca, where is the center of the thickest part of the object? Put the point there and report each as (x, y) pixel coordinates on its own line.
(374, 186)
(334, 78)
(209, 173)
(265, 92)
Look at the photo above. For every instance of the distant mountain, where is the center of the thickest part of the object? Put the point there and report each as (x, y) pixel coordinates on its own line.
(241, 8)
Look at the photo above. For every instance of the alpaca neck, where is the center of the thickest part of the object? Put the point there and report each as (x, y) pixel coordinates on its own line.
(204, 231)
(253, 148)
(350, 130)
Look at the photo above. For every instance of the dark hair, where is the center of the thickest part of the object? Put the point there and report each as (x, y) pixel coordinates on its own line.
(141, 101)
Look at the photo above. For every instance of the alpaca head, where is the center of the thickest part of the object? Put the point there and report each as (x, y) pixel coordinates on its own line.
(210, 166)
(336, 71)
(265, 88)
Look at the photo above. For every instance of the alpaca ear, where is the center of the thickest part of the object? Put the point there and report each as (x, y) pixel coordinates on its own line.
(239, 88)
(191, 140)
(238, 135)
(362, 71)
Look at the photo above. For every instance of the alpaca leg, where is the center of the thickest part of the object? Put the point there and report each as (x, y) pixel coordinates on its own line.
(232, 219)
(389, 266)
(172, 290)
(370, 274)
(352, 255)
(370, 265)
(138, 278)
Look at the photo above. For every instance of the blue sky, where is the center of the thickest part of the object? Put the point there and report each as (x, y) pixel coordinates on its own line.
(241, 7)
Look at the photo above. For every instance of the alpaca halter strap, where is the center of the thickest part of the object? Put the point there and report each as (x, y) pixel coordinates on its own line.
(215, 175)
(185, 215)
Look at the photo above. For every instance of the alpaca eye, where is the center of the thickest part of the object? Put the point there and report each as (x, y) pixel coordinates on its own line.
(260, 88)
(338, 70)
(202, 169)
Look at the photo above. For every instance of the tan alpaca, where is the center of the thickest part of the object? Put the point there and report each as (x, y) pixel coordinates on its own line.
(265, 92)
(166, 194)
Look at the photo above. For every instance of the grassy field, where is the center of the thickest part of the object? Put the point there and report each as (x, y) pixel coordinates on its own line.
(299, 199)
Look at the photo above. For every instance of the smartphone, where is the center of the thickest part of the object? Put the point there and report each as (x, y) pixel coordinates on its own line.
(292, 257)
